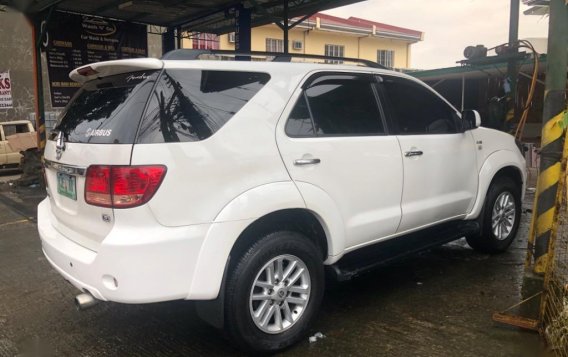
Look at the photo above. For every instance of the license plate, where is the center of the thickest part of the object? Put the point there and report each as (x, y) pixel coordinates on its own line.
(66, 185)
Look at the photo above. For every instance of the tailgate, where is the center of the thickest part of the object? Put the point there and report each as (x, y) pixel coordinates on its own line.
(97, 127)
(85, 224)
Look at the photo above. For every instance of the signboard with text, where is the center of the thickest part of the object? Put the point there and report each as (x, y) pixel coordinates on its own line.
(5, 91)
(75, 40)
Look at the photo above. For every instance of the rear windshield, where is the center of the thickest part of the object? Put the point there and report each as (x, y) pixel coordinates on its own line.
(107, 111)
(192, 104)
(186, 105)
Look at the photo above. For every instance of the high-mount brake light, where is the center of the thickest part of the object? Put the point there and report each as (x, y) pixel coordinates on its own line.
(122, 186)
(87, 71)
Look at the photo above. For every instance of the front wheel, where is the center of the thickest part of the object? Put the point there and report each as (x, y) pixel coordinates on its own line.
(274, 292)
(500, 219)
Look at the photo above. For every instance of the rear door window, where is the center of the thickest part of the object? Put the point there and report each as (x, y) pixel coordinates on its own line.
(107, 110)
(191, 104)
(337, 105)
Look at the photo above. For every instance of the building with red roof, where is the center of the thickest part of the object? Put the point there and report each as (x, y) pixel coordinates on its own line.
(324, 34)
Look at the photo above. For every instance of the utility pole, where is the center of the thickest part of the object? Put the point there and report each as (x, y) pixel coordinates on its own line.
(512, 64)
(552, 143)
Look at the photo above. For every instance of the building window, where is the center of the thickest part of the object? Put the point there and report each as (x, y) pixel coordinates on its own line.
(297, 45)
(334, 51)
(274, 45)
(205, 41)
(386, 58)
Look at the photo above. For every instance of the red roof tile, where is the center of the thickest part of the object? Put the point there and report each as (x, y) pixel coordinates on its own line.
(362, 23)
(385, 27)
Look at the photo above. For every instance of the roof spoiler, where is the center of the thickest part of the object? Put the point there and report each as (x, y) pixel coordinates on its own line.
(108, 68)
(188, 54)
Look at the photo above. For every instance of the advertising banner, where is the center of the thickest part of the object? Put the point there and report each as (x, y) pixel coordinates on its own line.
(5, 91)
(76, 40)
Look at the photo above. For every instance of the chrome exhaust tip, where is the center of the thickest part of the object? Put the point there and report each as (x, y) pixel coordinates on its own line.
(84, 301)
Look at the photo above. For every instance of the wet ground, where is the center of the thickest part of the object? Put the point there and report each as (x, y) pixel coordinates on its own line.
(438, 303)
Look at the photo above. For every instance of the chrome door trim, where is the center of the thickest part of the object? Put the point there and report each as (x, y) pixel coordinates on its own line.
(64, 168)
(413, 153)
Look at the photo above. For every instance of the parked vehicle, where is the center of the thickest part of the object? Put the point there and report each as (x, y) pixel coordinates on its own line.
(239, 184)
(10, 158)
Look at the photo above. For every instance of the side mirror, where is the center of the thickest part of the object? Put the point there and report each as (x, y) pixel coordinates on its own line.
(471, 118)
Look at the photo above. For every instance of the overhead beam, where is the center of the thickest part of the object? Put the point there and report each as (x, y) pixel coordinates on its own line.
(214, 18)
(109, 6)
(302, 19)
(260, 20)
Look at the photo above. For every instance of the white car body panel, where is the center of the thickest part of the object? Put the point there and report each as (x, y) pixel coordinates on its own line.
(496, 150)
(177, 245)
(352, 172)
(328, 213)
(204, 168)
(439, 184)
(256, 202)
(150, 263)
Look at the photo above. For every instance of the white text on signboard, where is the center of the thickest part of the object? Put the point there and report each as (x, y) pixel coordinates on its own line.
(5, 90)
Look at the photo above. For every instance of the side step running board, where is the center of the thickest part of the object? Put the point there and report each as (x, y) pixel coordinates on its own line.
(382, 253)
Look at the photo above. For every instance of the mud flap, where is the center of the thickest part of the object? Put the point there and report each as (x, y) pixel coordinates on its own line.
(213, 311)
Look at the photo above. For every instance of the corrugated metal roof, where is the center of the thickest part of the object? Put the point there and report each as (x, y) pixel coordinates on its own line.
(538, 7)
(479, 71)
(214, 16)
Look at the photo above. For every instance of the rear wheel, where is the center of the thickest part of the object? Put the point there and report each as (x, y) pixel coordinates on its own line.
(274, 292)
(500, 217)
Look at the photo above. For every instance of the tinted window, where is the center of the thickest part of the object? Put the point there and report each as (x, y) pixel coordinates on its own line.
(191, 105)
(340, 105)
(300, 122)
(107, 111)
(417, 110)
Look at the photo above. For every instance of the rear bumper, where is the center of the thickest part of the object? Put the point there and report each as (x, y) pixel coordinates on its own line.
(134, 264)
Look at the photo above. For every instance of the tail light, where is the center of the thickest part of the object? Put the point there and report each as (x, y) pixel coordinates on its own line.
(122, 186)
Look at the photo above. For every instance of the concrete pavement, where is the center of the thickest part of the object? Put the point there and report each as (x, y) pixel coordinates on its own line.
(438, 303)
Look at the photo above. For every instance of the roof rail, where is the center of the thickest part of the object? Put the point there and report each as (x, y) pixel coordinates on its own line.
(191, 54)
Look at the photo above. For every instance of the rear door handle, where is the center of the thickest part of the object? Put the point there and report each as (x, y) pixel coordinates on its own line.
(302, 162)
(413, 153)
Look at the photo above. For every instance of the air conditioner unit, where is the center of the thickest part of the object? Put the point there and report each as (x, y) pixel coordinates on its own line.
(297, 45)
(232, 37)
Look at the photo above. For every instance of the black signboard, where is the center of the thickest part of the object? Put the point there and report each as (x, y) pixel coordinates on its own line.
(75, 40)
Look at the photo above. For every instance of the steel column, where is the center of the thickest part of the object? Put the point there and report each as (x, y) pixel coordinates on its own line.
(286, 27)
(242, 31)
(513, 39)
(168, 40)
(552, 133)
(37, 35)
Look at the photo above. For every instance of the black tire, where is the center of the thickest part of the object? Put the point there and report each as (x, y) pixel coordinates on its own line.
(239, 324)
(487, 241)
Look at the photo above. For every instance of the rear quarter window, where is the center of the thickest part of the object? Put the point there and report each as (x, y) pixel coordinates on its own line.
(191, 105)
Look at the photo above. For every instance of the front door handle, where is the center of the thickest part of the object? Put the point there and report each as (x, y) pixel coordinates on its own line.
(413, 153)
(302, 162)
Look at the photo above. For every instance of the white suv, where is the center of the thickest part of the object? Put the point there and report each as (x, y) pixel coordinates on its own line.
(235, 184)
